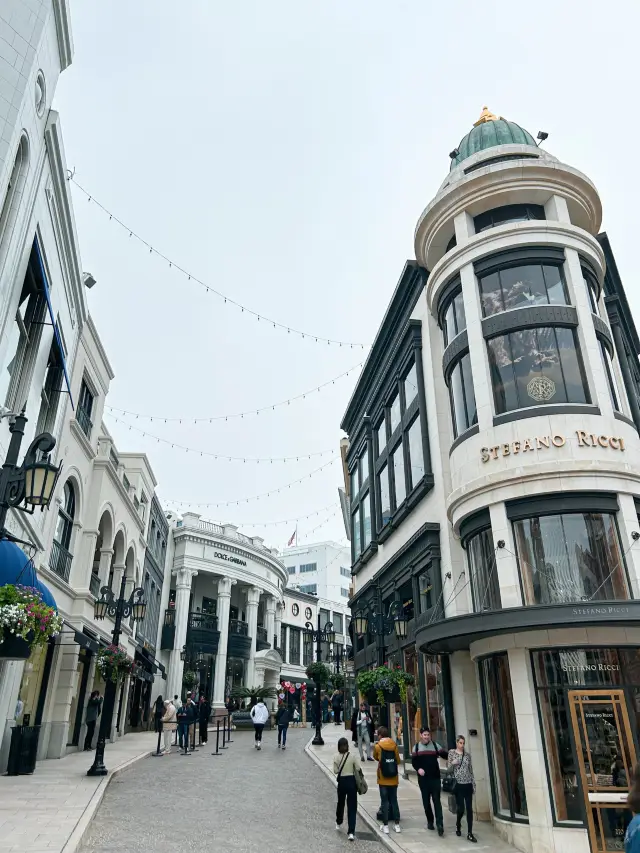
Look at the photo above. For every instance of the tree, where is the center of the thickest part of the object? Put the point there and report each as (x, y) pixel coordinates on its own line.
(254, 694)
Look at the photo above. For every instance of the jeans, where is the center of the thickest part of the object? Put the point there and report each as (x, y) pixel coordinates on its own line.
(347, 791)
(389, 803)
(258, 727)
(282, 735)
(91, 727)
(430, 790)
(183, 734)
(464, 802)
(364, 738)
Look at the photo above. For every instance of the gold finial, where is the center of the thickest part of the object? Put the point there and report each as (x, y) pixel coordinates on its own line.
(486, 115)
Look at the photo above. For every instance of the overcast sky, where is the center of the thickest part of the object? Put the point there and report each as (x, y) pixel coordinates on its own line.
(283, 152)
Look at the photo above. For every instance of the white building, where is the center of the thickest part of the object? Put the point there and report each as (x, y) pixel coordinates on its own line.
(320, 568)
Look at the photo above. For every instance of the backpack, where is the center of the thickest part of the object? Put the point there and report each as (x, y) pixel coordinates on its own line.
(388, 763)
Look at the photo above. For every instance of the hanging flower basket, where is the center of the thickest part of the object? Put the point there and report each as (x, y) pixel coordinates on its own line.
(337, 681)
(190, 678)
(385, 683)
(113, 663)
(319, 672)
(24, 617)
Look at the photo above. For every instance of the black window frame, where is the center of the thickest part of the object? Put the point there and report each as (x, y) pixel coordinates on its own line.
(512, 263)
(507, 213)
(592, 287)
(447, 299)
(614, 390)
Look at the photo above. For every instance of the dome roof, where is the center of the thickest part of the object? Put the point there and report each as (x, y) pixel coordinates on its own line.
(489, 131)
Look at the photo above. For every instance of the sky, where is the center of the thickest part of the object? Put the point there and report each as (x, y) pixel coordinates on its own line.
(282, 153)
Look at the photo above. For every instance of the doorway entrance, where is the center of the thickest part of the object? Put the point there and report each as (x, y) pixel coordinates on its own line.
(606, 757)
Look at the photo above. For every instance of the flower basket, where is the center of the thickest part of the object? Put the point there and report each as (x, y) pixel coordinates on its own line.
(338, 681)
(14, 648)
(113, 663)
(387, 685)
(190, 678)
(319, 672)
(23, 615)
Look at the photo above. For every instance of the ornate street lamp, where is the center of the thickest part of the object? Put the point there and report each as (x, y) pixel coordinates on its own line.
(118, 609)
(319, 636)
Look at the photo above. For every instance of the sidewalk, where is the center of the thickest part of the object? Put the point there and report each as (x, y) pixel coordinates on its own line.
(50, 811)
(414, 832)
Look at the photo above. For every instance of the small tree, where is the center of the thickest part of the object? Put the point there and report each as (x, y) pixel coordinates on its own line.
(254, 694)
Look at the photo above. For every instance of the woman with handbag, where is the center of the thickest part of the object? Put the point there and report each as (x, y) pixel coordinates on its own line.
(346, 766)
(459, 764)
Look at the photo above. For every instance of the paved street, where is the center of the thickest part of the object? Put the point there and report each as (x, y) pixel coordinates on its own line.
(243, 800)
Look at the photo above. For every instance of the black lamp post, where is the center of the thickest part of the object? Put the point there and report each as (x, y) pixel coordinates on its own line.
(319, 636)
(118, 609)
(32, 483)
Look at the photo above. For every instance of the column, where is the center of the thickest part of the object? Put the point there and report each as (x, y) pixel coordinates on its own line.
(63, 685)
(253, 599)
(223, 609)
(105, 565)
(270, 618)
(506, 564)
(183, 592)
(118, 572)
(277, 630)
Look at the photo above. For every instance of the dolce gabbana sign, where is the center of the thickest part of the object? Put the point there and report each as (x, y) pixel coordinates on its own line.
(546, 442)
(229, 558)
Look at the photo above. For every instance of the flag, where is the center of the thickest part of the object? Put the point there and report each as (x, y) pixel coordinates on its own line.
(294, 535)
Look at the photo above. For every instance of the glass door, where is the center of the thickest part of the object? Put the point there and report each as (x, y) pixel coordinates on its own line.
(606, 758)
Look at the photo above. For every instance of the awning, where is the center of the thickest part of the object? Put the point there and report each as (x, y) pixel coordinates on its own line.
(17, 568)
(86, 642)
(54, 323)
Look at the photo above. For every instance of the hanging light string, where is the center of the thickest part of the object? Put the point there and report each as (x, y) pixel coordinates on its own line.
(227, 299)
(318, 526)
(223, 456)
(279, 490)
(316, 512)
(212, 418)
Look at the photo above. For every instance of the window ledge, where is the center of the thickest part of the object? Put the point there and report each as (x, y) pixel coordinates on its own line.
(407, 506)
(468, 433)
(82, 439)
(542, 411)
(364, 558)
(619, 416)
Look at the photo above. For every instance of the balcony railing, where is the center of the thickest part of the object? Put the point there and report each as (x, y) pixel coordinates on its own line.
(94, 585)
(238, 627)
(205, 621)
(60, 560)
(261, 634)
(85, 422)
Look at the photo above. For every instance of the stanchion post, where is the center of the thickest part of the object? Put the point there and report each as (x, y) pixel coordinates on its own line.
(229, 740)
(158, 752)
(217, 752)
(224, 734)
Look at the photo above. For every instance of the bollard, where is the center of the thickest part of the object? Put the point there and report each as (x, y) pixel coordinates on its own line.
(158, 753)
(217, 752)
(224, 735)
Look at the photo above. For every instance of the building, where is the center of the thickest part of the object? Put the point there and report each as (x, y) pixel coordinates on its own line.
(494, 488)
(296, 650)
(321, 568)
(222, 609)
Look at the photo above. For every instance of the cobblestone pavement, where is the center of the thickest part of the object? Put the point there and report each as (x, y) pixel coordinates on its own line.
(243, 801)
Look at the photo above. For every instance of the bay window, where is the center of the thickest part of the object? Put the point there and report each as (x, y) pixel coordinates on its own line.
(522, 286)
(462, 396)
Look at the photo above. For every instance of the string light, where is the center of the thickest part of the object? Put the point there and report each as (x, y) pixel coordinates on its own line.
(318, 526)
(276, 491)
(191, 277)
(212, 418)
(222, 456)
(252, 523)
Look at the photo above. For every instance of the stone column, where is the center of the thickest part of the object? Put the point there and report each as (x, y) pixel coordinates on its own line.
(253, 599)
(105, 565)
(64, 685)
(277, 630)
(183, 591)
(270, 618)
(118, 572)
(223, 609)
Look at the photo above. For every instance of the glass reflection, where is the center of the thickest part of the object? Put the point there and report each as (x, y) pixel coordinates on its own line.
(522, 286)
(485, 587)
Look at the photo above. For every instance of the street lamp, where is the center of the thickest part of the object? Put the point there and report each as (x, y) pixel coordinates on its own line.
(118, 609)
(319, 636)
(31, 484)
(370, 619)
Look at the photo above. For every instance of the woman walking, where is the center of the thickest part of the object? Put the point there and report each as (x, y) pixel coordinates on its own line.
(158, 713)
(345, 764)
(459, 763)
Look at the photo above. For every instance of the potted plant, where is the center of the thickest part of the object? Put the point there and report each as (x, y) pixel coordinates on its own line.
(190, 678)
(320, 673)
(385, 684)
(25, 621)
(113, 663)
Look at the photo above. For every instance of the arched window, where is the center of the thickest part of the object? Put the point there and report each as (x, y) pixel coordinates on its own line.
(66, 514)
(9, 210)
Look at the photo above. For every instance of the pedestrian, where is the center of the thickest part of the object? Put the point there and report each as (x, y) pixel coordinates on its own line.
(296, 716)
(204, 712)
(282, 720)
(385, 752)
(259, 715)
(632, 837)
(158, 713)
(459, 763)
(345, 765)
(311, 712)
(169, 723)
(363, 723)
(336, 705)
(325, 708)
(94, 709)
(424, 759)
(183, 715)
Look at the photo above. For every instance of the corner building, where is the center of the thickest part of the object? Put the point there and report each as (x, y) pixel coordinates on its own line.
(494, 487)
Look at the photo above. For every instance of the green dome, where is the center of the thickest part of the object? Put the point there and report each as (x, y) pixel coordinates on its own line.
(488, 132)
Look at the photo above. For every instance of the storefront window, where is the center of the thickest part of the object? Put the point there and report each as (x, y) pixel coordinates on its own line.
(413, 711)
(436, 719)
(570, 557)
(509, 795)
(523, 286)
(485, 587)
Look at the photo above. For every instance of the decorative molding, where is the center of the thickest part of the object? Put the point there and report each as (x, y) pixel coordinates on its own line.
(468, 433)
(456, 349)
(536, 316)
(546, 410)
(63, 32)
(604, 333)
(78, 433)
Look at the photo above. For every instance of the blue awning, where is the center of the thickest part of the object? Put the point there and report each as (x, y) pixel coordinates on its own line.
(17, 568)
(56, 330)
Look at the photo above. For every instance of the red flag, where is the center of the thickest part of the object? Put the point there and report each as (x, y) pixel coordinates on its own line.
(293, 536)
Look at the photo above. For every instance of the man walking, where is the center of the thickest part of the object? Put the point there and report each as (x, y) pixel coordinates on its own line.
(94, 709)
(282, 720)
(184, 719)
(385, 752)
(363, 735)
(424, 759)
(204, 712)
(259, 715)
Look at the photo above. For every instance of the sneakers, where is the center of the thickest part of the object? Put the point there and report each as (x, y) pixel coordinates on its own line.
(441, 831)
(279, 747)
(471, 837)
(258, 746)
(351, 836)
(284, 747)
(369, 759)
(397, 827)
(384, 829)
(430, 826)
(458, 831)
(338, 827)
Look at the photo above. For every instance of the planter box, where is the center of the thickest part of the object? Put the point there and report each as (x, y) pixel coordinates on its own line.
(394, 696)
(14, 648)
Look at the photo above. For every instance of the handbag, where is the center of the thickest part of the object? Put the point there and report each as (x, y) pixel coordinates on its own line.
(449, 783)
(361, 782)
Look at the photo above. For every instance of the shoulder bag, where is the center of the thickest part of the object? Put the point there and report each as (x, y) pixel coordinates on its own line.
(361, 782)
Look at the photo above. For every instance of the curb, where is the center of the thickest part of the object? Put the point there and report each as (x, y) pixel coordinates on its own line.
(364, 815)
(80, 830)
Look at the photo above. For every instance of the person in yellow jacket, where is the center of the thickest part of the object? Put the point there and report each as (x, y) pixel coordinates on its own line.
(385, 752)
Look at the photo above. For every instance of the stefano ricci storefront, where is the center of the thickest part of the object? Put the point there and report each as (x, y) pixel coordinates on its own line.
(529, 359)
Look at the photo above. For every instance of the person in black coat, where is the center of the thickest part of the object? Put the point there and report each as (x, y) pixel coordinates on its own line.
(158, 714)
(204, 712)
(283, 718)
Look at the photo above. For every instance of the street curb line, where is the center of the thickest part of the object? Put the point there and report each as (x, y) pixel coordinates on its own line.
(366, 817)
(80, 830)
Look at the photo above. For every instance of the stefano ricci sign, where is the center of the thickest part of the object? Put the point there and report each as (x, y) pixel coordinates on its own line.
(548, 442)
(229, 558)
